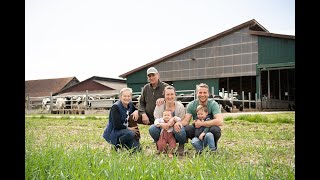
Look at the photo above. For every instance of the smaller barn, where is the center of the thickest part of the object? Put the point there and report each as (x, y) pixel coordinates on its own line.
(95, 86)
(44, 87)
(94, 92)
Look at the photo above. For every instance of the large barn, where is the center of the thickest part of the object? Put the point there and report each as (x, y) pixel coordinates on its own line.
(245, 58)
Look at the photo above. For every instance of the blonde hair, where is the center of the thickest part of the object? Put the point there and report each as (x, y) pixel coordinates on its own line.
(203, 85)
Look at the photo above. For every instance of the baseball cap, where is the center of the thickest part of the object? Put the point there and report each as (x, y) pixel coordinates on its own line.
(152, 70)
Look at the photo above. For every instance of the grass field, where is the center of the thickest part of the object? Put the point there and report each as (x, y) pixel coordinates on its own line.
(251, 147)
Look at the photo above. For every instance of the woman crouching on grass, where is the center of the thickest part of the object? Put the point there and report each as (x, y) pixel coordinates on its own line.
(118, 132)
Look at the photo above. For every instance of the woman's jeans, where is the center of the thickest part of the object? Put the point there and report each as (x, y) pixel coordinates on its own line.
(181, 137)
(126, 139)
(208, 140)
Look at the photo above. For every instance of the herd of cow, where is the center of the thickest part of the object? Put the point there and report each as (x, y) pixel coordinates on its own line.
(78, 103)
(70, 104)
(224, 102)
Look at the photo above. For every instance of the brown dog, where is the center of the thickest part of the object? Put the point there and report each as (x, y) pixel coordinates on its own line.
(133, 123)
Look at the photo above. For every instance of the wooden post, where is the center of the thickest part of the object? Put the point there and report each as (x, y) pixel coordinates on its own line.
(86, 101)
(51, 103)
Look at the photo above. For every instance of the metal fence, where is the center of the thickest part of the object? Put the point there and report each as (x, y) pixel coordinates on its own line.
(229, 101)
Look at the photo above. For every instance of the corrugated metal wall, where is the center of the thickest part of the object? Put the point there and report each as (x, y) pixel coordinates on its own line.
(231, 56)
(276, 50)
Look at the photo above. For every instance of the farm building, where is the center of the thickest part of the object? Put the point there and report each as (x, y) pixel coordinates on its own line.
(96, 85)
(44, 87)
(37, 91)
(245, 58)
(72, 86)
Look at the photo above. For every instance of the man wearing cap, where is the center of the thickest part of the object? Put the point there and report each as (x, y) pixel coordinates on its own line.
(152, 95)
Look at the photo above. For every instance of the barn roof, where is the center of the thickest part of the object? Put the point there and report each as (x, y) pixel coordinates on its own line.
(283, 36)
(95, 85)
(252, 24)
(43, 87)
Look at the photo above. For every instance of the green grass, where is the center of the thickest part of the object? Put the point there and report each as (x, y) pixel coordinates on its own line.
(251, 147)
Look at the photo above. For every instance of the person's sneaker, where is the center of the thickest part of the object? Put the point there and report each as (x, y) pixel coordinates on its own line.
(181, 149)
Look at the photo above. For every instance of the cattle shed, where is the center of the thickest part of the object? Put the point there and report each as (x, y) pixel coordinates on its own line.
(44, 87)
(96, 85)
(245, 58)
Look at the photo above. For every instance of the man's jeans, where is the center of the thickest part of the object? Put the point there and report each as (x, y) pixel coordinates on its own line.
(181, 137)
(208, 140)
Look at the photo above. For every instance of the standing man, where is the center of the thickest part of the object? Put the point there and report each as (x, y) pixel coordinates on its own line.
(152, 95)
(214, 114)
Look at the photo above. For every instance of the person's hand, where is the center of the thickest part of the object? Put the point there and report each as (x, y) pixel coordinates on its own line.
(160, 101)
(165, 126)
(134, 129)
(202, 136)
(135, 115)
(145, 119)
(193, 122)
(197, 123)
(177, 126)
(171, 122)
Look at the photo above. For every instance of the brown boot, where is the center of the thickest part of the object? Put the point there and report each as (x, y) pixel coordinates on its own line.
(181, 149)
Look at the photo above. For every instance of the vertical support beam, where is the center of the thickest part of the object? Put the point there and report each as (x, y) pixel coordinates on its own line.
(279, 84)
(222, 93)
(268, 84)
(86, 100)
(231, 100)
(249, 96)
(242, 94)
(51, 103)
(212, 90)
(28, 102)
(256, 96)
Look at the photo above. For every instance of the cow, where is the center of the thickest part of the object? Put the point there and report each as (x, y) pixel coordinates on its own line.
(46, 104)
(135, 100)
(225, 103)
(185, 98)
(79, 103)
(61, 105)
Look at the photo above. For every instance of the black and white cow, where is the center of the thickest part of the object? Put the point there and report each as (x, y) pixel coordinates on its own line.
(185, 98)
(46, 104)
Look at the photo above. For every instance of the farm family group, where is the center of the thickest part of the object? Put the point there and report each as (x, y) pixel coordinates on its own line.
(169, 121)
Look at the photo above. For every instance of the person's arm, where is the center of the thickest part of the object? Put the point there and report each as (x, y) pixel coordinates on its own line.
(180, 110)
(116, 118)
(160, 101)
(216, 121)
(142, 101)
(158, 110)
(176, 119)
(186, 120)
(157, 122)
(206, 129)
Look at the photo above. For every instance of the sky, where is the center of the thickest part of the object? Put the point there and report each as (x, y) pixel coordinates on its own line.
(107, 38)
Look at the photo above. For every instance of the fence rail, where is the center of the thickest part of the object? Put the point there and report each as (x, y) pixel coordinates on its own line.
(228, 101)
